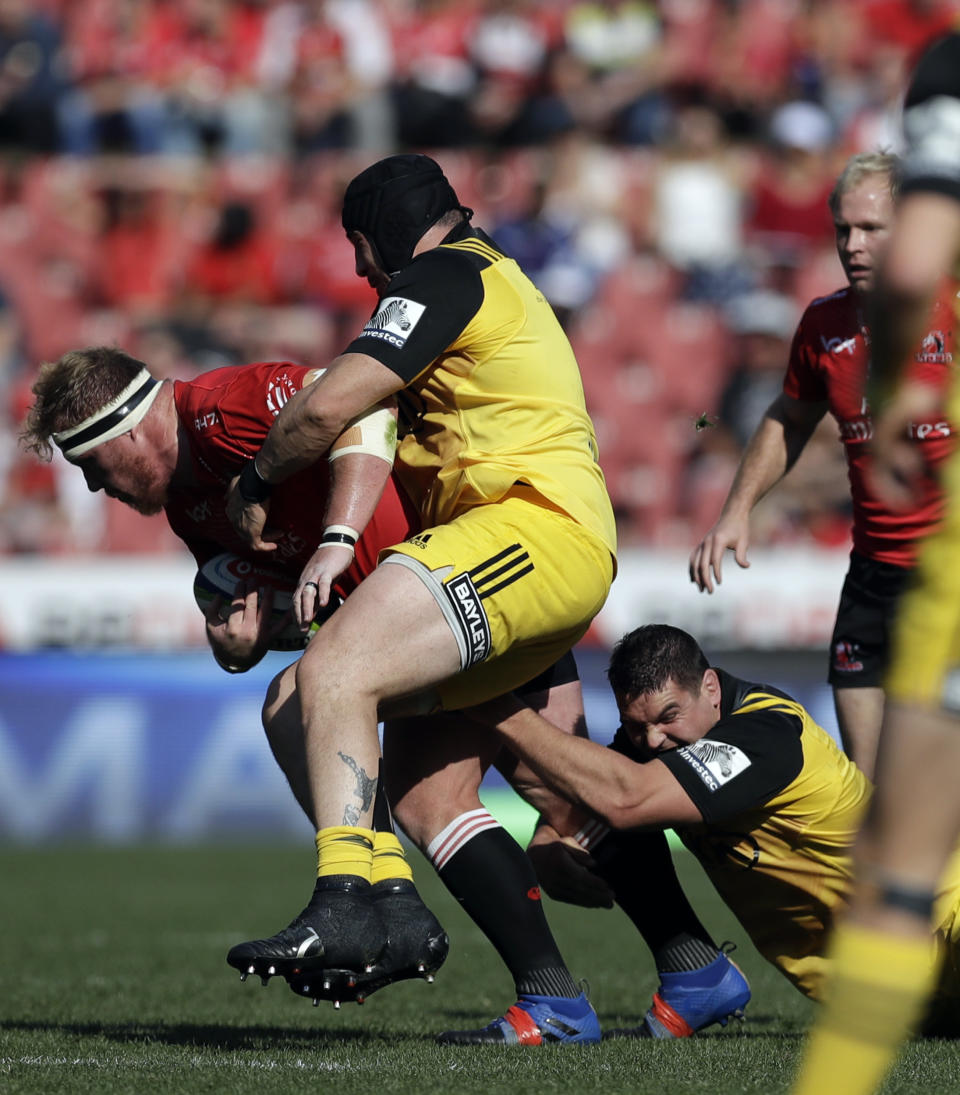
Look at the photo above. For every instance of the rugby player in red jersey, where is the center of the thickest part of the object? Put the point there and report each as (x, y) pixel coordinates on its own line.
(827, 371)
(174, 446)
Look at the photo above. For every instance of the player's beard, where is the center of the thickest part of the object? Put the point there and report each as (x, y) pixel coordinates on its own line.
(151, 494)
(148, 509)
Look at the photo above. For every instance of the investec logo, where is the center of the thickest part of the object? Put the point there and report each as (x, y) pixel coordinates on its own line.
(473, 620)
(394, 320)
(701, 769)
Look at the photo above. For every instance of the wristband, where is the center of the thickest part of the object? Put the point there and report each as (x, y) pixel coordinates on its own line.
(251, 485)
(591, 834)
(339, 536)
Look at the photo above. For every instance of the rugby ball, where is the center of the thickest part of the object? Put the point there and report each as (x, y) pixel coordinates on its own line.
(221, 574)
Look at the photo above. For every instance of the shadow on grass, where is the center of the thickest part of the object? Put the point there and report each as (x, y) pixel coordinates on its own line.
(211, 1035)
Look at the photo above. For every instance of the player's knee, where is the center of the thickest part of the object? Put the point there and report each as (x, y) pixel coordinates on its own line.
(270, 709)
(320, 674)
(331, 673)
(280, 701)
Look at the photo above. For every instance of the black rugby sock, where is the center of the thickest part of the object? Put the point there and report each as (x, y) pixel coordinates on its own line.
(492, 878)
(639, 869)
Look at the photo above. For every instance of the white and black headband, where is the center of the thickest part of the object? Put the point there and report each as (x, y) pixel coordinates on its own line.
(117, 417)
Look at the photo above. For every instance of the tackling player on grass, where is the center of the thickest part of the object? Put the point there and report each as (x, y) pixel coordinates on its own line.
(756, 790)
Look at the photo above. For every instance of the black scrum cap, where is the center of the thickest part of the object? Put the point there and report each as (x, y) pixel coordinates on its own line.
(394, 201)
(937, 72)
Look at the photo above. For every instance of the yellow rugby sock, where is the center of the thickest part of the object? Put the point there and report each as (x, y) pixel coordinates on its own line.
(389, 860)
(344, 849)
(877, 988)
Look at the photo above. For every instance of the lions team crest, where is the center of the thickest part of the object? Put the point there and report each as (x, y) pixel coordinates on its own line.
(934, 350)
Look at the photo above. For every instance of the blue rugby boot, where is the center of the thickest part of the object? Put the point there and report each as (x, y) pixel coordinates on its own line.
(534, 1021)
(690, 1000)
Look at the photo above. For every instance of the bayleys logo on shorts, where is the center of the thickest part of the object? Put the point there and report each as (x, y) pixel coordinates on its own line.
(394, 320)
(473, 620)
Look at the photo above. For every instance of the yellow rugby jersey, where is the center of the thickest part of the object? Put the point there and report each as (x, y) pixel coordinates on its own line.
(493, 397)
(781, 806)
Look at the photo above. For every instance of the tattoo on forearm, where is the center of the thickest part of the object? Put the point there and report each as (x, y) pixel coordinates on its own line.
(366, 789)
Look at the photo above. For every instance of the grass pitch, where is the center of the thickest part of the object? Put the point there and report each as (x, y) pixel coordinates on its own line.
(113, 979)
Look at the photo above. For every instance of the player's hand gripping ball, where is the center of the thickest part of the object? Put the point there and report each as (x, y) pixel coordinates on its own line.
(221, 574)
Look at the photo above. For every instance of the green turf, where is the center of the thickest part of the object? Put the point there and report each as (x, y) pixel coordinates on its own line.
(112, 979)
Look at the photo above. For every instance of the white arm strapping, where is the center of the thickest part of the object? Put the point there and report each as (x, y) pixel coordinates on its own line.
(373, 432)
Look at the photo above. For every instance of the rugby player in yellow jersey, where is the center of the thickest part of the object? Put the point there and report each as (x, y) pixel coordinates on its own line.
(515, 558)
(881, 977)
(758, 791)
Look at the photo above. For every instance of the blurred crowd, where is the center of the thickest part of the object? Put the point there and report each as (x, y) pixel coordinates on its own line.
(171, 174)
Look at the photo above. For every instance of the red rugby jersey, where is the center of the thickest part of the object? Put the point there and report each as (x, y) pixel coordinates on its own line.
(224, 417)
(829, 360)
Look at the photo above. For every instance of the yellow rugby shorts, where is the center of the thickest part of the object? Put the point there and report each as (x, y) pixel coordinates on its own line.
(518, 583)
